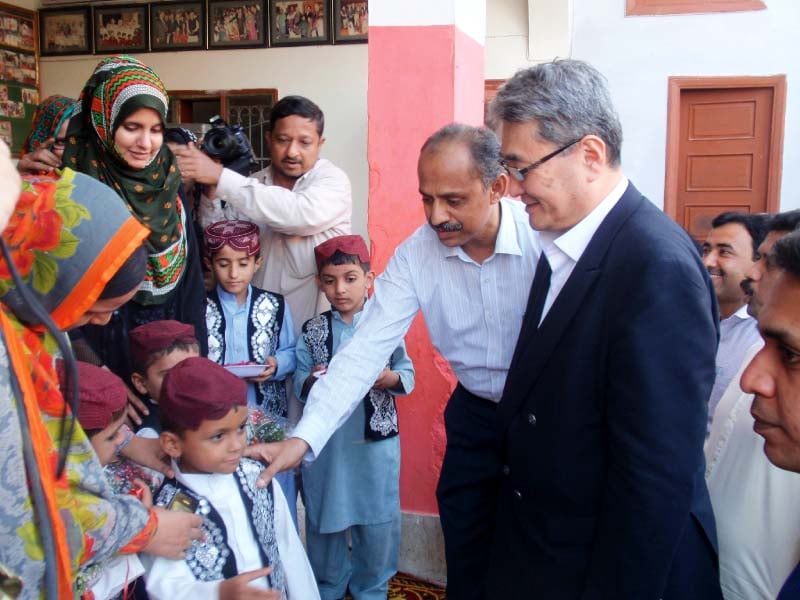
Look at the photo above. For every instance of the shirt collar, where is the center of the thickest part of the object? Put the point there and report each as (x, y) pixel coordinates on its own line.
(229, 299)
(574, 241)
(741, 313)
(506, 242)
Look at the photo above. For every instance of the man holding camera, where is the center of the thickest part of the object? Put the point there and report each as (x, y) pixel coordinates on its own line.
(299, 201)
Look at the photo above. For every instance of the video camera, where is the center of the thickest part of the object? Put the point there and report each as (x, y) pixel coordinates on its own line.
(229, 145)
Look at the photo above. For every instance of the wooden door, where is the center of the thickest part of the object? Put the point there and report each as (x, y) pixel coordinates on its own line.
(727, 156)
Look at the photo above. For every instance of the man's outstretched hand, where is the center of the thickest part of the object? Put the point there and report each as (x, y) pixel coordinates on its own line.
(280, 456)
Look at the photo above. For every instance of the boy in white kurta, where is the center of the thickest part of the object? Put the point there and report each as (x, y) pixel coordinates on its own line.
(250, 548)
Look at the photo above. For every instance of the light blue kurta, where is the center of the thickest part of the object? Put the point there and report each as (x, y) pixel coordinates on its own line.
(353, 481)
(237, 344)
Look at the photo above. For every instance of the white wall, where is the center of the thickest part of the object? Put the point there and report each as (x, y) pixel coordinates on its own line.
(638, 54)
(335, 77)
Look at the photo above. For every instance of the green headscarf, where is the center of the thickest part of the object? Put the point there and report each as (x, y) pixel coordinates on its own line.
(119, 86)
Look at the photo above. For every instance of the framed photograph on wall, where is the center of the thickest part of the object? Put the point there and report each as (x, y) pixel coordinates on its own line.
(120, 28)
(350, 21)
(65, 31)
(17, 28)
(177, 26)
(236, 24)
(299, 22)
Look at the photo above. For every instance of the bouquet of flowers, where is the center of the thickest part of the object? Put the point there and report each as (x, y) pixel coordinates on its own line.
(264, 428)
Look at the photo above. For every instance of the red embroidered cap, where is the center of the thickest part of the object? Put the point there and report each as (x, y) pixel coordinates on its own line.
(346, 244)
(239, 235)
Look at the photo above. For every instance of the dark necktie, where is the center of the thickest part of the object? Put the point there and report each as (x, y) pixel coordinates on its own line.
(539, 289)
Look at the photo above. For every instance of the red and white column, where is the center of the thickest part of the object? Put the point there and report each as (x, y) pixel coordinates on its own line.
(426, 69)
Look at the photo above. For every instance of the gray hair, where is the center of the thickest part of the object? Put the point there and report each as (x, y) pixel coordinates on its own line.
(483, 145)
(568, 99)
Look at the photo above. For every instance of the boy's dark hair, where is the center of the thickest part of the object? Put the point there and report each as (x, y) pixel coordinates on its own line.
(755, 224)
(115, 416)
(142, 366)
(300, 106)
(342, 258)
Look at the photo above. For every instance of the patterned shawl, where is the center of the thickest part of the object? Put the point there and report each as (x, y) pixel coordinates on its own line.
(47, 120)
(65, 252)
(119, 86)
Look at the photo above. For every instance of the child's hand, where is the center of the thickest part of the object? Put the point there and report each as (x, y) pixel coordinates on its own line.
(142, 491)
(271, 366)
(387, 380)
(238, 588)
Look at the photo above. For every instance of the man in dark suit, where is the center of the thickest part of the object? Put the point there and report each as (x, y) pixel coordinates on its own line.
(604, 408)
(772, 375)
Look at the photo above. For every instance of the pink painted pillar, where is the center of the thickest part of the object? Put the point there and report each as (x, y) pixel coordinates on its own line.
(426, 69)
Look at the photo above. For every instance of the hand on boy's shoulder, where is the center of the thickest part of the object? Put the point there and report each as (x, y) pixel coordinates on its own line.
(280, 456)
(239, 588)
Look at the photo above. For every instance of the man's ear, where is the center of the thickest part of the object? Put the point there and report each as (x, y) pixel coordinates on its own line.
(171, 444)
(498, 188)
(138, 382)
(321, 141)
(594, 152)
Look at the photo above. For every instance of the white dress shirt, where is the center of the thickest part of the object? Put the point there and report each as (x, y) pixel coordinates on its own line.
(564, 250)
(737, 333)
(755, 503)
(473, 313)
(173, 580)
(292, 223)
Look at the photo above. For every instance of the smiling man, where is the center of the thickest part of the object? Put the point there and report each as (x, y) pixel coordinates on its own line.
(468, 270)
(604, 409)
(299, 201)
(729, 252)
(774, 374)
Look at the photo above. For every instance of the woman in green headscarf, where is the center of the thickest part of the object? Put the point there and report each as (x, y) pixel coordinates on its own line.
(44, 146)
(116, 135)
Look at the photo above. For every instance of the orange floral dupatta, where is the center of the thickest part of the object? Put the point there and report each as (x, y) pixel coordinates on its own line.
(66, 252)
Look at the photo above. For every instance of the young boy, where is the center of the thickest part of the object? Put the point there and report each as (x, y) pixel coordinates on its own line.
(245, 529)
(248, 324)
(354, 482)
(101, 413)
(155, 348)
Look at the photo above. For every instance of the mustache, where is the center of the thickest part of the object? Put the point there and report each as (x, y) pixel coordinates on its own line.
(747, 286)
(447, 227)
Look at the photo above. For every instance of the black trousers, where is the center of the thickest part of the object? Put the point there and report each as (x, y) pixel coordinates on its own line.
(467, 491)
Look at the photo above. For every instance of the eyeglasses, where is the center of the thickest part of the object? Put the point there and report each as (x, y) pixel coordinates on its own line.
(520, 174)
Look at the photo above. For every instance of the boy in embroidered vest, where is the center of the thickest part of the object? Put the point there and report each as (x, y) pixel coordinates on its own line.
(101, 413)
(354, 482)
(249, 543)
(248, 324)
(155, 348)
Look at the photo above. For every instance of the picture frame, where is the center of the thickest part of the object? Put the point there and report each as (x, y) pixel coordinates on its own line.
(299, 22)
(17, 28)
(120, 28)
(350, 21)
(236, 24)
(65, 31)
(177, 26)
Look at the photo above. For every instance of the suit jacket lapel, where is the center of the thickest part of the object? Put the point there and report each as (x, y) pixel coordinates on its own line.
(535, 346)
